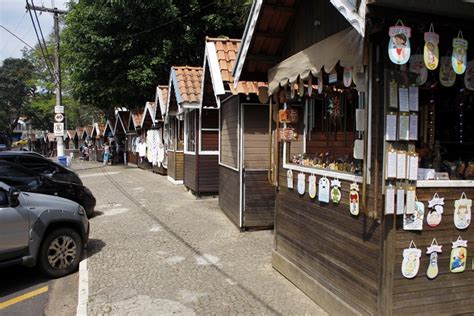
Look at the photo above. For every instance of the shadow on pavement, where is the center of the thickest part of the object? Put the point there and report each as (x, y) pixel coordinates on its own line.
(18, 278)
(94, 246)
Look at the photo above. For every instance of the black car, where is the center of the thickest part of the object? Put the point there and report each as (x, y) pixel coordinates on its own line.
(41, 165)
(27, 180)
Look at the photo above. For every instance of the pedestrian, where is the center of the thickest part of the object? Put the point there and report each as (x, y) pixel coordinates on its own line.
(106, 153)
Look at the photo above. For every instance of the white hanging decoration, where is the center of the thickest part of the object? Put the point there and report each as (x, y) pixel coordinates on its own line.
(323, 190)
(347, 77)
(289, 179)
(433, 251)
(414, 221)
(354, 199)
(312, 186)
(458, 260)
(411, 261)
(399, 44)
(462, 212)
(335, 191)
(320, 82)
(436, 209)
(310, 85)
(301, 183)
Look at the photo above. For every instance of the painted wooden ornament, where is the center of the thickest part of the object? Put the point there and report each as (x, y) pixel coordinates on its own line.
(354, 199)
(301, 87)
(469, 76)
(458, 260)
(301, 183)
(431, 50)
(323, 190)
(459, 56)
(289, 179)
(436, 209)
(399, 45)
(411, 261)
(418, 66)
(447, 76)
(312, 186)
(335, 191)
(433, 270)
(414, 221)
(462, 212)
(347, 77)
(310, 85)
(320, 82)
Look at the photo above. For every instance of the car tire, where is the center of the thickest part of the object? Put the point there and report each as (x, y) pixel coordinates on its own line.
(60, 253)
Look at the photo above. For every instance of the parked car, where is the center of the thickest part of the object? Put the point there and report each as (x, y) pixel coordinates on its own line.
(41, 230)
(25, 179)
(42, 165)
(21, 142)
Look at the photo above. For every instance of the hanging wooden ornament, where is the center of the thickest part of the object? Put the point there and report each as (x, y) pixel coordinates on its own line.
(289, 179)
(320, 82)
(418, 66)
(354, 199)
(414, 221)
(312, 186)
(458, 260)
(301, 87)
(335, 191)
(399, 44)
(301, 183)
(323, 190)
(459, 57)
(447, 76)
(469, 76)
(436, 209)
(431, 50)
(347, 77)
(411, 261)
(310, 85)
(462, 212)
(433, 251)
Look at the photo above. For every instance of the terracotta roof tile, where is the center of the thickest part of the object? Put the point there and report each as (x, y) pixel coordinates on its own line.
(189, 83)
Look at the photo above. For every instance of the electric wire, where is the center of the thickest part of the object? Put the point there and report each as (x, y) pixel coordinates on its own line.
(16, 36)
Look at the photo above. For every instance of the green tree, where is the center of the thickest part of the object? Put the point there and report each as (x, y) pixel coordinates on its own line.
(15, 91)
(117, 51)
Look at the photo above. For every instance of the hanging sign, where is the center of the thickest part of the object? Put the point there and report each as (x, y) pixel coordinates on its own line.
(447, 76)
(332, 76)
(462, 212)
(414, 221)
(417, 66)
(400, 201)
(390, 200)
(312, 186)
(289, 179)
(411, 261)
(459, 56)
(301, 183)
(347, 77)
(399, 44)
(335, 191)
(436, 209)
(323, 190)
(469, 76)
(457, 262)
(354, 199)
(431, 50)
(433, 251)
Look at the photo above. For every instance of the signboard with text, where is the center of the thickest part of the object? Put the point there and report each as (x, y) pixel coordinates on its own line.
(58, 129)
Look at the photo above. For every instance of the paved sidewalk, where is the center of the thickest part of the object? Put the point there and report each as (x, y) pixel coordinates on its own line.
(156, 250)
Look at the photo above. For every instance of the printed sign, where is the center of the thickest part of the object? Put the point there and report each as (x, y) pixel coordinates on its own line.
(58, 129)
(58, 117)
(59, 109)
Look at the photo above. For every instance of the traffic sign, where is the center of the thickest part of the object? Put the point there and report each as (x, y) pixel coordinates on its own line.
(58, 117)
(59, 109)
(58, 129)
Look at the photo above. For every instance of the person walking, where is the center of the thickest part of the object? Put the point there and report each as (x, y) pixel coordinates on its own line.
(106, 153)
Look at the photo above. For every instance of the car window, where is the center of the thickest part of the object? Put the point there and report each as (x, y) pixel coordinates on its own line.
(15, 176)
(37, 165)
(3, 198)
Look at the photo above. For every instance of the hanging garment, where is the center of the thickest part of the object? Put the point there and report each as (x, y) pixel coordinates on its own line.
(142, 149)
(161, 148)
(152, 143)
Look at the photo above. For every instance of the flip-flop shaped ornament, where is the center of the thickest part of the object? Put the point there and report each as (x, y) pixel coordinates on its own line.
(335, 191)
(431, 50)
(447, 76)
(433, 251)
(301, 183)
(323, 190)
(289, 179)
(354, 199)
(436, 209)
(458, 260)
(411, 261)
(459, 56)
(469, 76)
(462, 212)
(418, 66)
(399, 45)
(312, 186)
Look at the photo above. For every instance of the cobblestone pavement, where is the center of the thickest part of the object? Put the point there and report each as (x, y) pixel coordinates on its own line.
(157, 250)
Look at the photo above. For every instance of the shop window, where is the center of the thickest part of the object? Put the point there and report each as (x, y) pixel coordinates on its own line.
(180, 135)
(229, 133)
(209, 130)
(172, 133)
(190, 131)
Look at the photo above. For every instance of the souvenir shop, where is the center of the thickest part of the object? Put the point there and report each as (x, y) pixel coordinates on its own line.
(161, 98)
(375, 163)
(152, 131)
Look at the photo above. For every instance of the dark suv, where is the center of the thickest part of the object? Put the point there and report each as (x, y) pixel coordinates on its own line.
(41, 165)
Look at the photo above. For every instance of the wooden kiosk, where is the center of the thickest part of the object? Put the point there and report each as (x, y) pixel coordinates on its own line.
(161, 99)
(184, 96)
(365, 262)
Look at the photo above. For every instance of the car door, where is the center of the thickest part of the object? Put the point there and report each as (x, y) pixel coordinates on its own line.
(18, 177)
(14, 227)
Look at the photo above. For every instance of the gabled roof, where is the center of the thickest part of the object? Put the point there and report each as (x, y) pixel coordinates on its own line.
(79, 131)
(121, 121)
(185, 85)
(110, 126)
(98, 129)
(71, 133)
(149, 113)
(136, 119)
(88, 130)
(161, 99)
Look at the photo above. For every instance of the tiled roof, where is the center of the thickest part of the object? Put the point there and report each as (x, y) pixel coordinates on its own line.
(164, 91)
(189, 83)
(226, 51)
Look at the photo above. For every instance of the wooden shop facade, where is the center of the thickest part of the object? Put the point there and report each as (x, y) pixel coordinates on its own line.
(373, 158)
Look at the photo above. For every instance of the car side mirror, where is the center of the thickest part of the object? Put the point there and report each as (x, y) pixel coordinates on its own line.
(14, 197)
(3, 198)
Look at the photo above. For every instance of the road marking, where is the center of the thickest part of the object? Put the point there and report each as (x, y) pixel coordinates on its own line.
(83, 293)
(97, 174)
(23, 297)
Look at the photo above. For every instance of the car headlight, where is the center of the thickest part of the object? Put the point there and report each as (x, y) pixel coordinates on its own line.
(81, 211)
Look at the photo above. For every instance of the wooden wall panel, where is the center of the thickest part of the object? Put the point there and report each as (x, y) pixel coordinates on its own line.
(256, 139)
(259, 210)
(229, 185)
(179, 165)
(190, 172)
(208, 173)
(172, 164)
(229, 132)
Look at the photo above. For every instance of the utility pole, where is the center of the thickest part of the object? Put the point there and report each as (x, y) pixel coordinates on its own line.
(59, 108)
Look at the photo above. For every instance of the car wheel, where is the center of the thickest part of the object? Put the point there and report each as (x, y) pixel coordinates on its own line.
(60, 253)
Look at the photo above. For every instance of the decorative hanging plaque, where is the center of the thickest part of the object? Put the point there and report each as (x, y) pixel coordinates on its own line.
(469, 76)
(414, 221)
(436, 209)
(462, 212)
(312, 186)
(347, 77)
(459, 57)
(431, 50)
(289, 179)
(301, 183)
(399, 44)
(411, 261)
(354, 199)
(335, 191)
(417, 66)
(323, 190)
(433, 251)
(447, 76)
(458, 260)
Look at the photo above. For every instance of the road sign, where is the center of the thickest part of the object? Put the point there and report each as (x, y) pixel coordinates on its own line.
(59, 109)
(58, 117)
(58, 129)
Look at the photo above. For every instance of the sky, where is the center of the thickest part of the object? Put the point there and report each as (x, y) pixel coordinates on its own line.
(14, 17)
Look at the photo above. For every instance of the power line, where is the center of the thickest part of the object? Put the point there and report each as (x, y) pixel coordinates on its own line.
(17, 37)
(41, 31)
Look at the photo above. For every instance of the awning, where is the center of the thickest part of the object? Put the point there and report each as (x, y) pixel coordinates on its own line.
(345, 47)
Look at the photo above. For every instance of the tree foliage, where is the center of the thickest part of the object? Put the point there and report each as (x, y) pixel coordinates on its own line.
(117, 51)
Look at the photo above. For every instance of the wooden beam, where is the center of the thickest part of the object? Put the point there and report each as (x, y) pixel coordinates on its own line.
(279, 8)
(264, 59)
(270, 35)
